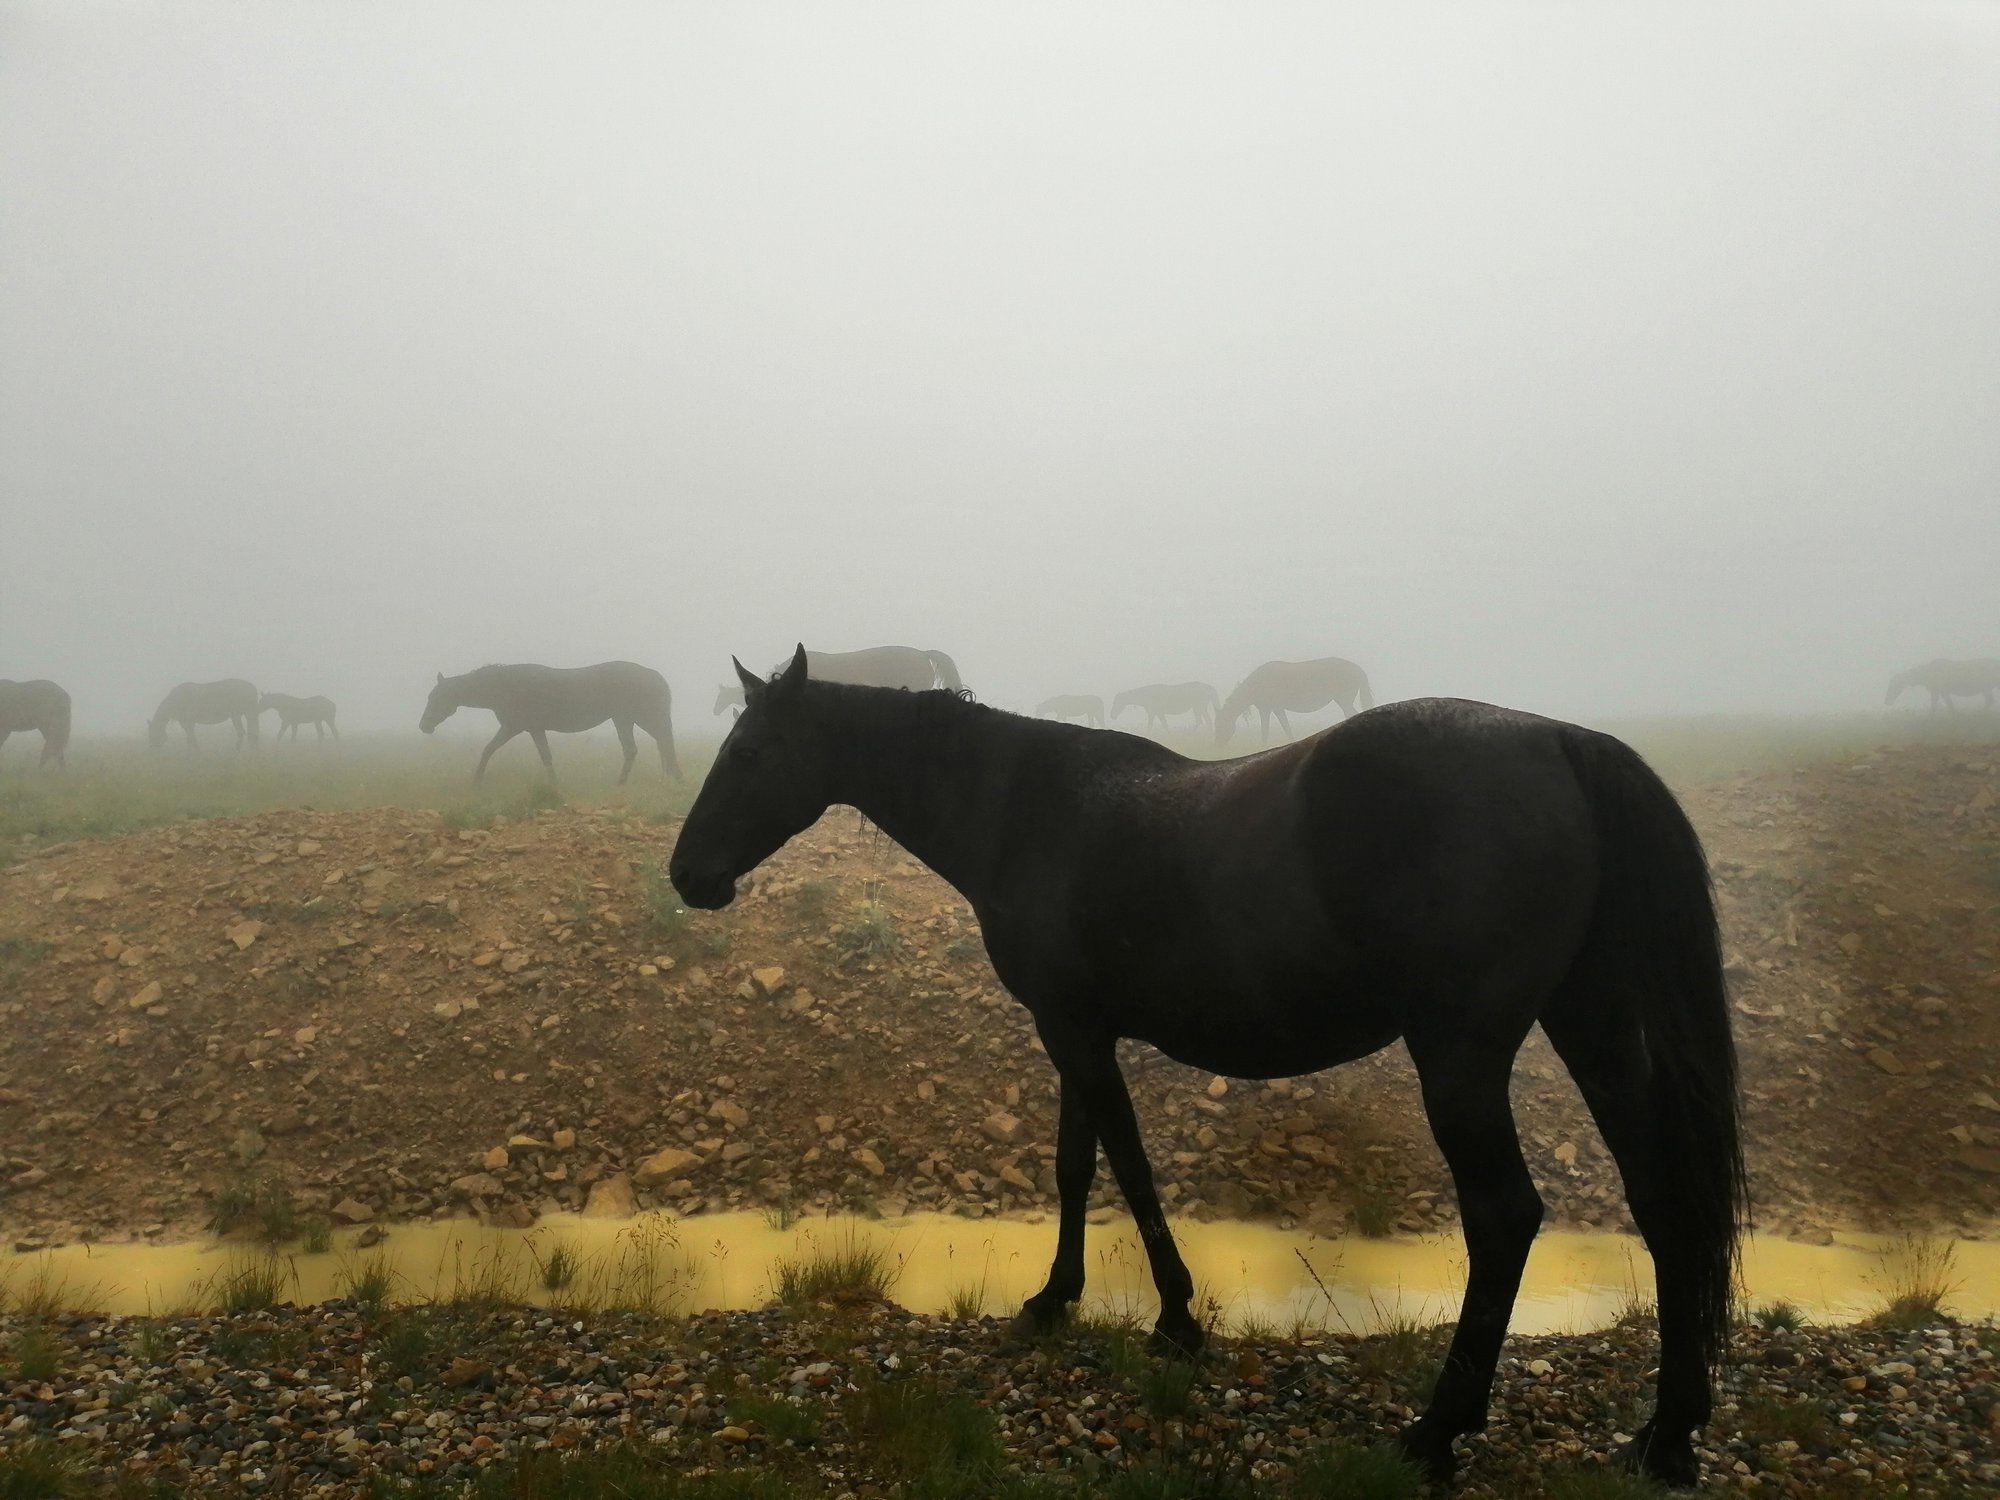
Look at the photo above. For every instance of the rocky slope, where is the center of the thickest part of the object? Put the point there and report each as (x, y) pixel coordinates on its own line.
(398, 1017)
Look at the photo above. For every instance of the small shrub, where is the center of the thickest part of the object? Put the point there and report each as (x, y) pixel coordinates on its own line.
(966, 949)
(37, 1356)
(559, 1269)
(1349, 1471)
(1374, 1210)
(811, 900)
(872, 934)
(368, 1281)
(1769, 1419)
(919, 1434)
(36, 1469)
(1918, 1274)
(967, 1302)
(780, 1417)
(252, 1285)
(1780, 1316)
(153, 1341)
(17, 953)
(1599, 1482)
(847, 1272)
(1166, 1388)
(781, 1214)
(666, 917)
(258, 1202)
(317, 1235)
(1402, 1354)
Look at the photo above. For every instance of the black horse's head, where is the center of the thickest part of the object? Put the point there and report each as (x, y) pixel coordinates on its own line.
(441, 706)
(768, 783)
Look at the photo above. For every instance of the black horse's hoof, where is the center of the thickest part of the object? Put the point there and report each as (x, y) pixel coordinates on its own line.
(1180, 1340)
(1035, 1321)
(1429, 1448)
(1664, 1460)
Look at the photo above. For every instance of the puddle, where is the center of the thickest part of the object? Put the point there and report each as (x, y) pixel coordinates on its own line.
(1256, 1273)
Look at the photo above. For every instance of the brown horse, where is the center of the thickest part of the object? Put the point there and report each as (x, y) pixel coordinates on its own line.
(232, 700)
(532, 699)
(40, 705)
(872, 666)
(292, 712)
(1159, 699)
(1945, 680)
(1297, 687)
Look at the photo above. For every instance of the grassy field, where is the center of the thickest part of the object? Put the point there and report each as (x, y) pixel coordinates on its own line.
(113, 787)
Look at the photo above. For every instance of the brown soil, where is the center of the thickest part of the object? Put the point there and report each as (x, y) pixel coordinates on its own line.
(365, 1005)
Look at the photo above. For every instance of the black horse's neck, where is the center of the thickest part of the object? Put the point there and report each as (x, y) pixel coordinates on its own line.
(932, 771)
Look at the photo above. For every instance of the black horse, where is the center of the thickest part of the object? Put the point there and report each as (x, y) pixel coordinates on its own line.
(1441, 871)
(40, 705)
(532, 699)
(231, 700)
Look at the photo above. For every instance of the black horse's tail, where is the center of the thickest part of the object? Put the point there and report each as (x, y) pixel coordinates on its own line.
(1655, 907)
(946, 669)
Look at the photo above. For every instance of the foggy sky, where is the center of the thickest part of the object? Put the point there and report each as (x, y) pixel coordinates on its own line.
(1590, 359)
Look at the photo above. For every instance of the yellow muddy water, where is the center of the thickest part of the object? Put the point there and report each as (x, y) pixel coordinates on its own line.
(1254, 1273)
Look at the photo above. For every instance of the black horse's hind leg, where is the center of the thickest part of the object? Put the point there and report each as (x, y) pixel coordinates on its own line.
(1076, 1166)
(500, 737)
(1464, 1079)
(1092, 1069)
(1598, 1038)
(626, 743)
(541, 739)
(1284, 723)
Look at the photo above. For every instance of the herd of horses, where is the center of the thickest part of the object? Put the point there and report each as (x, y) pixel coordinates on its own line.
(1444, 873)
(537, 701)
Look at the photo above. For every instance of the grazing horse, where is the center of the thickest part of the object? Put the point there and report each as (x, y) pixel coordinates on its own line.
(1162, 698)
(193, 703)
(1445, 872)
(873, 666)
(1299, 687)
(532, 699)
(1073, 706)
(1946, 680)
(292, 712)
(39, 705)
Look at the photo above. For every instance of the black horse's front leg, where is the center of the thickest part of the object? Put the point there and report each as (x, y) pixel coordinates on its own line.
(1076, 1166)
(500, 737)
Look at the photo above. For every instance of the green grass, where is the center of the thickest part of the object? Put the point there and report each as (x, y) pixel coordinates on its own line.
(259, 1203)
(251, 1285)
(1349, 1471)
(36, 1356)
(1780, 1316)
(1374, 1207)
(1918, 1274)
(811, 900)
(779, 1417)
(37, 1469)
(316, 1235)
(844, 1272)
(666, 917)
(368, 1281)
(1403, 1354)
(116, 787)
(1772, 1419)
(18, 954)
(939, 1442)
(872, 933)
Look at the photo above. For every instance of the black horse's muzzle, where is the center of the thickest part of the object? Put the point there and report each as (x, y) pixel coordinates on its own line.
(702, 889)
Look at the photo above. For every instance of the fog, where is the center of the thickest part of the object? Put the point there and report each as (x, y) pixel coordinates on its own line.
(1588, 359)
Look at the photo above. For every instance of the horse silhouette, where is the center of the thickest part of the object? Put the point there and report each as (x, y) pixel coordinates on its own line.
(1159, 699)
(39, 705)
(1945, 680)
(872, 666)
(1300, 687)
(1446, 872)
(292, 712)
(230, 700)
(1073, 706)
(531, 699)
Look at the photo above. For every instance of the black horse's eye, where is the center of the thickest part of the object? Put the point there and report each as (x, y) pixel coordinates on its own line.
(743, 753)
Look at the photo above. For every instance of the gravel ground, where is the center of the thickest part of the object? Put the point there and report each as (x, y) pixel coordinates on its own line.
(312, 1401)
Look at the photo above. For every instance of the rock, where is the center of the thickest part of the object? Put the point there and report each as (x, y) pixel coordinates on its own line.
(103, 888)
(927, 1091)
(449, 1009)
(150, 995)
(1566, 1153)
(823, 1124)
(802, 1001)
(1002, 1127)
(1980, 1159)
(477, 1185)
(308, 846)
(768, 981)
(870, 1162)
(462, 1372)
(243, 934)
(730, 1113)
(1886, 1060)
(1217, 1087)
(497, 1160)
(514, 1216)
(305, 1036)
(1850, 943)
(352, 1211)
(285, 1121)
(611, 1199)
(247, 1145)
(1014, 1177)
(665, 1165)
(132, 957)
(564, 1140)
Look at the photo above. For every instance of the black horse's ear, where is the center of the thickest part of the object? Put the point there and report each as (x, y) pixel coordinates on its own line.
(440, 679)
(752, 683)
(788, 682)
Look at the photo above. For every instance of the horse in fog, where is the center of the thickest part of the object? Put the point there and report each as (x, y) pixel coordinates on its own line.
(1945, 680)
(873, 666)
(531, 699)
(1300, 687)
(39, 705)
(1159, 699)
(230, 700)
(292, 712)
(1072, 706)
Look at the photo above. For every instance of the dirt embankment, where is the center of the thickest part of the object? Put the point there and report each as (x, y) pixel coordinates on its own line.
(400, 1018)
